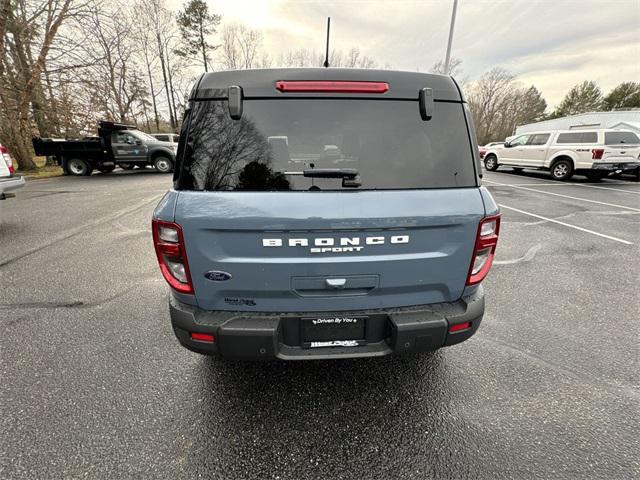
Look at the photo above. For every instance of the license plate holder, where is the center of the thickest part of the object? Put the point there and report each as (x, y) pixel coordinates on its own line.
(333, 331)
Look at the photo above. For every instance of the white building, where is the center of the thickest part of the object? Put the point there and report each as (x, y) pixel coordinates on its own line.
(623, 119)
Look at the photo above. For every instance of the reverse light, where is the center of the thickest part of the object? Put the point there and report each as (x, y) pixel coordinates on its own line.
(172, 258)
(484, 249)
(300, 86)
(596, 153)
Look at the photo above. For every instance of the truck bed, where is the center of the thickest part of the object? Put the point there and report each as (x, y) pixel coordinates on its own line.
(69, 148)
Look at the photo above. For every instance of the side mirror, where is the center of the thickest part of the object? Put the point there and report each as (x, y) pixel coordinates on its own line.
(507, 145)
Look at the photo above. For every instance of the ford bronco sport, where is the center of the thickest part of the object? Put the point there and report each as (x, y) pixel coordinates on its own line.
(325, 213)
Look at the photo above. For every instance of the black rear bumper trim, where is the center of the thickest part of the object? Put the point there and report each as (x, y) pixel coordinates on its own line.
(258, 335)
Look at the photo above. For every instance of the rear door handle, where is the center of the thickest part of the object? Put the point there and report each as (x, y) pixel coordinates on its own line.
(336, 283)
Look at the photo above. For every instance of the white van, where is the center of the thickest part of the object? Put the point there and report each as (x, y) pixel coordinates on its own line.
(593, 153)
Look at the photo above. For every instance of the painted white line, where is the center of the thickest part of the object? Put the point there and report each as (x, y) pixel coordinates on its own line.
(523, 184)
(609, 180)
(607, 188)
(615, 239)
(624, 207)
(565, 184)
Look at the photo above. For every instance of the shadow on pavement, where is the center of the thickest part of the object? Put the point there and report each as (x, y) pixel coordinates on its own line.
(329, 418)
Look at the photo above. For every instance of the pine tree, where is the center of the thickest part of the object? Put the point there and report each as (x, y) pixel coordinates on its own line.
(584, 97)
(625, 95)
(196, 24)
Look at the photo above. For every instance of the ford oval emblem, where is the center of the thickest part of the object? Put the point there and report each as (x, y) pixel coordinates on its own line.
(217, 276)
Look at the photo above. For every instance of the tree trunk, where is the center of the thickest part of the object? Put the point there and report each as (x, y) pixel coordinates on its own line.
(166, 84)
(173, 100)
(204, 46)
(153, 94)
(23, 152)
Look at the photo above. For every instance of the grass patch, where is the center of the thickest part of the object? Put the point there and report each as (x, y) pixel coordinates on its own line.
(43, 172)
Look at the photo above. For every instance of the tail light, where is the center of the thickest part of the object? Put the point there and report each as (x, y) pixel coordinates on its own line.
(596, 153)
(484, 250)
(169, 244)
(331, 87)
(7, 158)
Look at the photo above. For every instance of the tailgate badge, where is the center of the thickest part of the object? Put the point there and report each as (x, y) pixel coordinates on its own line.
(217, 276)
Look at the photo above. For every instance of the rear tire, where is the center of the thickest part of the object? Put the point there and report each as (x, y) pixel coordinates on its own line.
(106, 169)
(562, 170)
(79, 167)
(126, 166)
(163, 164)
(596, 176)
(491, 163)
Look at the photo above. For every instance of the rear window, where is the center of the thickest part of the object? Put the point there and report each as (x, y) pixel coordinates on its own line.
(578, 137)
(162, 138)
(384, 141)
(617, 138)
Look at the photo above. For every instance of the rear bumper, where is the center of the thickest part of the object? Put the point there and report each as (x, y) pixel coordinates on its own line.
(7, 184)
(268, 336)
(615, 166)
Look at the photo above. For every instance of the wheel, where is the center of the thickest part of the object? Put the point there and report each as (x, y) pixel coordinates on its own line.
(126, 166)
(517, 169)
(107, 168)
(491, 163)
(562, 170)
(79, 167)
(163, 164)
(595, 176)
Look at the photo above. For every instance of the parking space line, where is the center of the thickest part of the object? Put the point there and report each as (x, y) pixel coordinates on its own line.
(609, 180)
(524, 184)
(568, 196)
(609, 237)
(607, 188)
(565, 184)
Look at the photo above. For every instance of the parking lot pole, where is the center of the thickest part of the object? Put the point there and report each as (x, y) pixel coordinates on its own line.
(453, 22)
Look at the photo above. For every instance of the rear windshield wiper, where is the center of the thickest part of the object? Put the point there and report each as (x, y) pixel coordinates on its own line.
(349, 176)
(327, 173)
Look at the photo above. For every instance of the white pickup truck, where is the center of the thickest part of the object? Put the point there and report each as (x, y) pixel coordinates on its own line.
(593, 153)
(9, 181)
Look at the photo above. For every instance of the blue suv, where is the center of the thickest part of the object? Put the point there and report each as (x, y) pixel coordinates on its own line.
(325, 213)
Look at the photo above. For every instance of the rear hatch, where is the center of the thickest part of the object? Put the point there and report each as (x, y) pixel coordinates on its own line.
(328, 200)
(621, 146)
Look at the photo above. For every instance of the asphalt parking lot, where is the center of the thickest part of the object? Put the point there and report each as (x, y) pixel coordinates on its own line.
(95, 385)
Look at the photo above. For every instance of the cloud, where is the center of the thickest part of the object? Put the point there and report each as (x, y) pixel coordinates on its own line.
(553, 44)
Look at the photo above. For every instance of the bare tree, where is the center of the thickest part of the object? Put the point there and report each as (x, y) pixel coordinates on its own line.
(28, 31)
(115, 76)
(240, 47)
(455, 67)
(499, 104)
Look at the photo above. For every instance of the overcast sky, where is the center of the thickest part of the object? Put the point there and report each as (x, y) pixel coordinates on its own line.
(552, 44)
